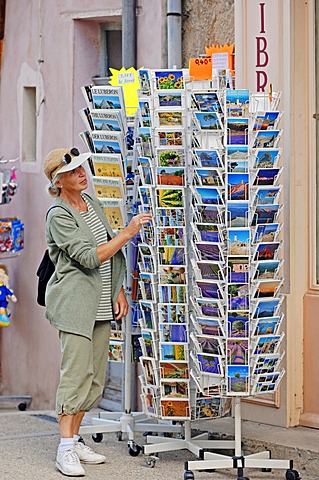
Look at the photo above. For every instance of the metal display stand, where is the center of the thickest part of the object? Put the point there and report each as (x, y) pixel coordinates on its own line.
(261, 460)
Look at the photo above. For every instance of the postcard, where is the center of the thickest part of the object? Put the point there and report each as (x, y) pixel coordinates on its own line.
(267, 307)
(266, 139)
(115, 212)
(170, 217)
(107, 96)
(267, 157)
(237, 214)
(110, 119)
(208, 121)
(237, 351)
(173, 332)
(267, 344)
(209, 407)
(146, 170)
(205, 270)
(116, 332)
(237, 103)
(169, 118)
(267, 326)
(171, 236)
(172, 256)
(173, 157)
(238, 324)
(238, 241)
(147, 286)
(267, 269)
(173, 351)
(236, 154)
(169, 79)
(237, 379)
(267, 251)
(208, 326)
(267, 232)
(208, 158)
(208, 177)
(238, 269)
(87, 94)
(238, 296)
(266, 121)
(266, 383)
(207, 307)
(238, 186)
(206, 232)
(108, 187)
(170, 176)
(207, 102)
(172, 313)
(173, 293)
(267, 288)
(174, 370)
(267, 363)
(207, 213)
(207, 195)
(148, 343)
(145, 112)
(208, 344)
(104, 142)
(149, 370)
(171, 274)
(237, 131)
(208, 251)
(240, 166)
(108, 165)
(147, 309)
(170, 197)
(146, 250)
(116, 351)
(145, 142)
(210, 364)
(175, 409)
(149, 401)
(209, 289)
(266, 176)
(86, 117)
(174, 98)
(266, 195)
(169, 137)
(144, 76)
(147, 233)
(174, 389)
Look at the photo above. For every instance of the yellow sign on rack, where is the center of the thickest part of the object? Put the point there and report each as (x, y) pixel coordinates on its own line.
(128, 79)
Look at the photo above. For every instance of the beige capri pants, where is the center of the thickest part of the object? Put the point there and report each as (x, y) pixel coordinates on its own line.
(83, 369)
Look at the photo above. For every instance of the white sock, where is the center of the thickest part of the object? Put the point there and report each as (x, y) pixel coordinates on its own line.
(76, 438)
(66, 444)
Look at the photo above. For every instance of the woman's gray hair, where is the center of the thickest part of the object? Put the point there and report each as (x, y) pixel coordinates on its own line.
(53, 189)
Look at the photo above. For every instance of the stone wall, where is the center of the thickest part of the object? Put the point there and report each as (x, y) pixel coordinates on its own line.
(206, 22)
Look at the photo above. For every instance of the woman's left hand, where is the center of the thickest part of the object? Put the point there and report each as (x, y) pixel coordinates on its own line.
(120, 306)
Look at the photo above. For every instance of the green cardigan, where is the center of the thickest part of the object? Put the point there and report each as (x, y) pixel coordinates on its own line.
(74, 290)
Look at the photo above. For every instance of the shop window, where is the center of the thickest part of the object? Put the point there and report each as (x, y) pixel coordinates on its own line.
(29, 125)
(111, 47)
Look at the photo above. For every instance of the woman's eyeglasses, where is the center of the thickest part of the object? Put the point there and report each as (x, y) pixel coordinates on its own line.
(67, 157)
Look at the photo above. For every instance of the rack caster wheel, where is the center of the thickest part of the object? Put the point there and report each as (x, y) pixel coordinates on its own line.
(133, 449)
(151, 461)
(22, 406)
(189, 475)
(292, 475)
(119, 436)
(97, 438)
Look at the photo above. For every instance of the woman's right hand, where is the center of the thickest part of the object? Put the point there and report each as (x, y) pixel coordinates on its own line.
(137, 223)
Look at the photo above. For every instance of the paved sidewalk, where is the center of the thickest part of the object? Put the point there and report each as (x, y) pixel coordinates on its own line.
(28, 442)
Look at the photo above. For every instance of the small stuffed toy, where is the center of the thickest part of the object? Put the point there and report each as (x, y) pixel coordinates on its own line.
(5, 295)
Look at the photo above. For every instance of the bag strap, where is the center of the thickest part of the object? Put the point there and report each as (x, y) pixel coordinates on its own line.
(56, 206)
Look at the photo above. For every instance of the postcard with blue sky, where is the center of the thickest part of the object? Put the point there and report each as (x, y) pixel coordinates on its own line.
(266, 139)
(238, 324)
(266, 176)
(238, 186)
(237, 102)
(206, 232)
(208, 195)
(237, 214)
(207, 213)
(172, 351)
(237, 379)
(173, 293)
(207, 307)
(266, 121)
(208, 121)
(173, 98)
(206, 102)
(238, 166)
(208, 177)
(237, 153)
(169, 79)
(267, 363)
(267, 232)
(172, 255)
(147, 310)
(265, 214)
(266, 195)
(267, 326)
(170, 217)
(209, 326)
(171, 236)
(174, 176)
(237, 131)
(210, 364)
(208, 158)
(173, 332)
(267, 307)
(267, 157)
(267, 251)
(267, 269)
(238, 241)
(145, 81)
(267, 344)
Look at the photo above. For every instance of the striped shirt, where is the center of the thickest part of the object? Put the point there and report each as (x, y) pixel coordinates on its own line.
(105, 310)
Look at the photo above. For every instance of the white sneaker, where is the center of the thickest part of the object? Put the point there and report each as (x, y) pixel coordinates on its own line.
(87, 455)
(69, 464)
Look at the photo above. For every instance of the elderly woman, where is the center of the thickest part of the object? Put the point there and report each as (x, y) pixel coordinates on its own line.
(84, 294)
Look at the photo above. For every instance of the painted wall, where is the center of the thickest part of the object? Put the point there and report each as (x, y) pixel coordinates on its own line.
(57, 51)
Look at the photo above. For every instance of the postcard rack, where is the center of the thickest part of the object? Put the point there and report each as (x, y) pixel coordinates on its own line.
(210, 264)
(109, 136)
